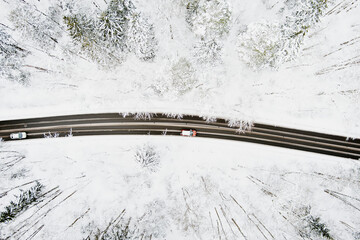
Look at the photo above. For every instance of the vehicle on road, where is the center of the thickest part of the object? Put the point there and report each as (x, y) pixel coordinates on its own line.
(19, 135)
(188, 132)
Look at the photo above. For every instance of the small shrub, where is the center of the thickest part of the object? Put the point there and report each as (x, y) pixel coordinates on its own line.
(124, 114)
(51, 135)
(241, 125)
(209, 118)
(18, 174)
(147, 157)
(70, 134)
(174, 115)
(143, 116)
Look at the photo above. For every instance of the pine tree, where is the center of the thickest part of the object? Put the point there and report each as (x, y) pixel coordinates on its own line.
(116, 31)
(113, 23)
(303, 15)
(260, 45)
(141, 37)
(36, 26)
(208, 19)
(81, 29)
(11, 59)
(270, 45)
(318, 228)
(84, 31)
(23, 201)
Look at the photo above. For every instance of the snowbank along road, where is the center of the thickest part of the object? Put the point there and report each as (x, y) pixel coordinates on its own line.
(161, 124)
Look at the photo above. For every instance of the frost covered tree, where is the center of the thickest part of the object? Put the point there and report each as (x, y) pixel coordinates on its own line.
(85, 33)
(81, 29)
(267, 44)
(113, 23)
(183, 76)
(119, 29)
(40, 28)
(317, 228)
(22, 202)
(179, 79)
(302, 15)
(11, 59)
(208, 51)
(141, 37)
(308, 225)
(210, 21)
(260, 45)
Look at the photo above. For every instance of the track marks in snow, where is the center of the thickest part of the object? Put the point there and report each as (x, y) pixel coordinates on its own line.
(352, 62)
(77, 219)
(8, 159)
(344, 198)
(255, 221)
(344, 45)
(10, 189)
(346, 6)
(29, 226)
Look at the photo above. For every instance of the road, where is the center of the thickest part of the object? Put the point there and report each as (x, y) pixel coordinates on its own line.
(159, 124)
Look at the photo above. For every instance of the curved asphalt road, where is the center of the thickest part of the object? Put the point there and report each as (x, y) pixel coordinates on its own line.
(115, 124)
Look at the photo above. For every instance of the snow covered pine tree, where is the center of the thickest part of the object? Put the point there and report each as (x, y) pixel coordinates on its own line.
(118, 30)
(11, 59)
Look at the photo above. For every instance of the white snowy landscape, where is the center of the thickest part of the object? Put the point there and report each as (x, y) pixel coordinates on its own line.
(292, 63)
(194, 190)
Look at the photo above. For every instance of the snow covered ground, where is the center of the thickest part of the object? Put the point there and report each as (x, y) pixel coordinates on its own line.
(317, 89)
(200, 189)
(286, 63)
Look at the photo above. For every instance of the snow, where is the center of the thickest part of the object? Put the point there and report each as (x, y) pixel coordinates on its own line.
(175, 200)
(201, 187)
(293, 95)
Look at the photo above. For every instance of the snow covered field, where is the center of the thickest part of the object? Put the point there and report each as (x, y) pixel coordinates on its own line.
(197, 189)
(226, 58)
(291, 63)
